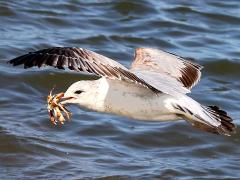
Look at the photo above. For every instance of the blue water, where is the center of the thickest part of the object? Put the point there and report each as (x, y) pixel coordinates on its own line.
(101, 146)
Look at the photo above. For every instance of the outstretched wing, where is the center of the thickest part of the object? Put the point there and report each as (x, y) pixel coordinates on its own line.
(159, 67)
(80, 60)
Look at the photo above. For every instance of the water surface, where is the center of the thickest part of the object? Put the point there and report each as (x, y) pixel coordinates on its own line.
(95, 145)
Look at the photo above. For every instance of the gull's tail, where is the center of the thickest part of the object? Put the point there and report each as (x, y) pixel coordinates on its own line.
(207, 118)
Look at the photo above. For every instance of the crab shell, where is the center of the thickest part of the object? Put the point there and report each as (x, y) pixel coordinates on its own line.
(55, 109)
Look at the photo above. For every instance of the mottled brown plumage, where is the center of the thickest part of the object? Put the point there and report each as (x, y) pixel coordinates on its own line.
(184, 71)
(79, 59)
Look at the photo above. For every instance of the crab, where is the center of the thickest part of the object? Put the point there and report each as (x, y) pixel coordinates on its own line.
(55, 108)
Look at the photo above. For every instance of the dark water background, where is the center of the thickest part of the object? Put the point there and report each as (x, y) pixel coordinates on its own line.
(95, 145)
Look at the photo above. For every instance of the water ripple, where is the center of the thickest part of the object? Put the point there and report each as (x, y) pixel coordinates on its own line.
(101, 146)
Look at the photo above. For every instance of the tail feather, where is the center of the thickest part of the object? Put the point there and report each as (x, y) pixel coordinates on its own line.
(204, 127)
(226, 127)
(207, 118)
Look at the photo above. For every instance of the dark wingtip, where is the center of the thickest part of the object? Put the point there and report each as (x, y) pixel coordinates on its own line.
(11, 61)
(18, 60)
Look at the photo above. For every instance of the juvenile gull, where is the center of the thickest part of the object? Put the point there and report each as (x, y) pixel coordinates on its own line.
(153, 89)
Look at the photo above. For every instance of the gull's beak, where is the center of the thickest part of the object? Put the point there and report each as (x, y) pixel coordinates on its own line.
(67, 99)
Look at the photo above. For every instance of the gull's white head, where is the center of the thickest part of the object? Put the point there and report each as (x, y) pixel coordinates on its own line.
(82, 93)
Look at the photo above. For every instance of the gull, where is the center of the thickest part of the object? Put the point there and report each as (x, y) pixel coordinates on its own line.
(154, 88)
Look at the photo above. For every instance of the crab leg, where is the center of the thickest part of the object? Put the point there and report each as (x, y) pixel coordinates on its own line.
(52, 118)
(62, 108)
(55, 108)
(59, 115)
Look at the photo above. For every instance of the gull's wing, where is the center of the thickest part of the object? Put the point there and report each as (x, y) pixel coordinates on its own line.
(165, 70)
(163, 82)
(80, 60)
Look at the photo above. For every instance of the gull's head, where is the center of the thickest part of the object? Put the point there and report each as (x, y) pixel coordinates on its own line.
(81, 93)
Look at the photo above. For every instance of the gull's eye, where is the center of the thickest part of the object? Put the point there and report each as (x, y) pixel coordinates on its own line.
(78, 92)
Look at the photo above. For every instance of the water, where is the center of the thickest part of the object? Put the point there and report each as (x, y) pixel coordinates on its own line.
(95, 145)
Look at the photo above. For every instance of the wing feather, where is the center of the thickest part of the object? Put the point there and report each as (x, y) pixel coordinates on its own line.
(160, 62)
(163, 82)
(79, 59)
